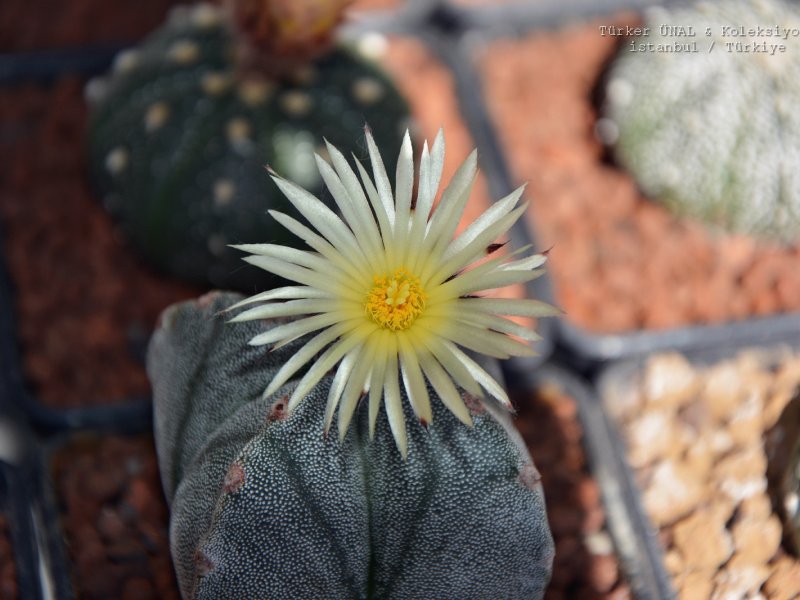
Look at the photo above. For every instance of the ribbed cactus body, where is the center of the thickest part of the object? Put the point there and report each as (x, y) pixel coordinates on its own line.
(180, 134)
(715, 134)
(265, 506)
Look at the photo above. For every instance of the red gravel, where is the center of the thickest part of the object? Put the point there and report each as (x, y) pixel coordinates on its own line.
(620, 261)
(115, 519)
(80, 292)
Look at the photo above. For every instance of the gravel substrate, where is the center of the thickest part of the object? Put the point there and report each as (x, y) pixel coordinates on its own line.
(696, 439)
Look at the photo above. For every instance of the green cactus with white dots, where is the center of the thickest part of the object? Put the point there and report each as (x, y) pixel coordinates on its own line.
(714, 134)
(181, 130)
(265, 506)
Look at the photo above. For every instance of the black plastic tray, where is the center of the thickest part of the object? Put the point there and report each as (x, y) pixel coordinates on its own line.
(450, 32)
(617, 378)
(52, 528)
(636, 544)
(38, 556)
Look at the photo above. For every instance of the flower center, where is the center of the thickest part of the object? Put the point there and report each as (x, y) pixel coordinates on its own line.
(395, 302)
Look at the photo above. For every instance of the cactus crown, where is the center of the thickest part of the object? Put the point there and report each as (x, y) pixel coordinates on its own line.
(389, 291)
(287, 29)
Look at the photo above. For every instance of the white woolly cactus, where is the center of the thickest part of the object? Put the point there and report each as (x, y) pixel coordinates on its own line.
(715, 134)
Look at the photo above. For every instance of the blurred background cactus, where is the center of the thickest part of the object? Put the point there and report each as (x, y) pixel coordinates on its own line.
(183, 126)
(713, 131)
(264, 505)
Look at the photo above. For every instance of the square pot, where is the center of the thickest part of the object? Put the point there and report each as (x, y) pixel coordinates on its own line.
(699, 434)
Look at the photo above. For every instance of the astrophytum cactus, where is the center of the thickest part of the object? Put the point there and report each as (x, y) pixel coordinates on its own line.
(181, 129)
(264, 505)
(704, 112)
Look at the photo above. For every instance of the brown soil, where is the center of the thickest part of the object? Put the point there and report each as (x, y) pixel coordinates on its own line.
(81, 295)
(620, 261)
(115, 519)
(585, 565)
(8, 572)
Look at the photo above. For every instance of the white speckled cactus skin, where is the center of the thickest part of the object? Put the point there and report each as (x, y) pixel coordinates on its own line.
(715, 135)
(264, 506)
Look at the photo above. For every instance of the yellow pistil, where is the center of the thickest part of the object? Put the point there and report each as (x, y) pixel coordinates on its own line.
(395, 302)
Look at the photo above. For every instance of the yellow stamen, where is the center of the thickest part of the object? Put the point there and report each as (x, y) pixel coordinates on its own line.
(395, 302)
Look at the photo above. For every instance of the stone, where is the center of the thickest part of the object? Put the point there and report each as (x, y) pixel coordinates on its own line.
(695, 585)
(703, 540)
(746, 424)
(651, 436)
(756, 541)
(784, 580)
(742, 474)
(672, 492)
(738, 580)
(723, 390)
(669, 380)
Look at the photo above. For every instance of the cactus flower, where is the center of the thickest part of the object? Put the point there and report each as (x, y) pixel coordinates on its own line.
(390, 293)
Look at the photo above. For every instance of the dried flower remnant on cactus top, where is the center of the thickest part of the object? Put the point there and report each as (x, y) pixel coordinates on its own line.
(388, 290)
(289, 28)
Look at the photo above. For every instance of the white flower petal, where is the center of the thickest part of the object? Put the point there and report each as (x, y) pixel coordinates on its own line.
(353, 392)
(497, 323)
(289, 332)
(405, 187)
(379, 349)
(284, 293)
(498, 279)
(318, 243)
(481, 376)
(339, 383)
(381, 179)
(512, 307)
(443, 352)
(343, 273)
(485, 341)
(450, 289)
(392, 400)
(360, 220)
(304, 276)
(322, 218)
(448, 212)
(285, 309)
(437, 164)
(384, 221)
(474, 249)
(444, 387)
(488, 220)
(413, 381)
(524, 264)
(325, 363)
(306, 353)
